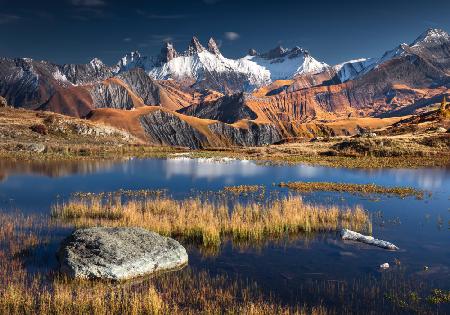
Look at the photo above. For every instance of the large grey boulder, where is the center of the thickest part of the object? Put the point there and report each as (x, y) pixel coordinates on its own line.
(355, 236)
(119, 253)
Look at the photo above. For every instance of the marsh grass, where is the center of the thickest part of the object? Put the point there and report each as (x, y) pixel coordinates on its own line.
(207, 222)
(243, 189)
(183, 292)
(364, 189)
(189, 291)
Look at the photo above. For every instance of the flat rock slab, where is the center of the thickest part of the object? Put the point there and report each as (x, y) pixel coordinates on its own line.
(355, 236)
(118, 253)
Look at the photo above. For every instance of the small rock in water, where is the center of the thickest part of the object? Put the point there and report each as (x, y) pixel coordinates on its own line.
(119, 253)
(425, 268)
(355, 236)
(384, 266)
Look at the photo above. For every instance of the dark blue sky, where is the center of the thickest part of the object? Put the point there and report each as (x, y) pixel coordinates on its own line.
(75, 31)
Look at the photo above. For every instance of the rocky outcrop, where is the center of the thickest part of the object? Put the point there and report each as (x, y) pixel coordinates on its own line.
(36, 147)
(118, 253)
(167, 129)
(227, 109)
(94, 71)
(254, 135)
(31, 84)
(25, 82)
(111, 95)
(142, 85)
(94, 130)
(355, 236)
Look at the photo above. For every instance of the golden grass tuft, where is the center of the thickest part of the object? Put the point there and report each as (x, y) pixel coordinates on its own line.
(243, 189)
(354, 188)
(208, 222)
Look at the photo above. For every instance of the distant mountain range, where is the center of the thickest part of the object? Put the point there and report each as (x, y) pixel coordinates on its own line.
(281, 88)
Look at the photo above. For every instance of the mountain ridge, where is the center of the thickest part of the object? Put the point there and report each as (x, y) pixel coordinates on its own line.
(280, 89)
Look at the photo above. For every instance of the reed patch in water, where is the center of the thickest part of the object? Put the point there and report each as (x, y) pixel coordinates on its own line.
(207, 222)
(354, 188)
(243, 189)
(189, 291)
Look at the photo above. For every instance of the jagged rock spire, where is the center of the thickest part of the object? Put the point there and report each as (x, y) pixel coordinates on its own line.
(212, 47)
(96, 63)
(195, 46)
(276, 52)
(252, 52)
(168, 52)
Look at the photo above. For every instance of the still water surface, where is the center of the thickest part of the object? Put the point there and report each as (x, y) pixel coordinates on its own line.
(421, 228)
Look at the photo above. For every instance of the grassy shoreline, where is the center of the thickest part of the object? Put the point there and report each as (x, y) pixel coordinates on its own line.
(44, 136)
(300, 153)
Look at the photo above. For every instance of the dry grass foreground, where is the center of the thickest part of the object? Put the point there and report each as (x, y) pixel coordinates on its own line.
(207, 222)
(354, 188)
(187, 292)
(184, 292)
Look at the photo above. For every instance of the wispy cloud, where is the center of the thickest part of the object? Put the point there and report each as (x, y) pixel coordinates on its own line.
(127, 39)
(231, 35)
(88, 3)
(161, 16)
(8, 18)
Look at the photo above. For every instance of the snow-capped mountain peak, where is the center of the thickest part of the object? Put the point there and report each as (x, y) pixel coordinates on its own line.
(199, 63)
(350, 69)
(398, 51)
(427, 40)
(283, 63)
(432, 36)
(131, 60)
